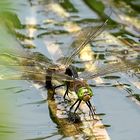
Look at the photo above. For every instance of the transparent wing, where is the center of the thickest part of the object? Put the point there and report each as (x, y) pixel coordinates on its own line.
(28, 60)
(10, 74)
(27, 68)
(83, 38)
(111, 68)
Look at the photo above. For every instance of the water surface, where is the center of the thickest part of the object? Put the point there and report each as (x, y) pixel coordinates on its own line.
(47, 26)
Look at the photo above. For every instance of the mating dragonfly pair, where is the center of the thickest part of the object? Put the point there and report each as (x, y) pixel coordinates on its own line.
(36, 67)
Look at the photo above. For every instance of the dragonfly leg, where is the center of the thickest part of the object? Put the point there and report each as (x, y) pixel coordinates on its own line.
(77, 106)
(91, 109)
(74, 104)
(49, 85)
(59, 86)
(73, 117)
(66, 92)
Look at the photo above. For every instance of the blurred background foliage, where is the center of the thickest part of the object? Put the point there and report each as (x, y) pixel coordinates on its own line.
(8, 16)
(8, 23)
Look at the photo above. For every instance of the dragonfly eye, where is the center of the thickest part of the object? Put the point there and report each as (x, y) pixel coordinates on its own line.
(90, 91)
(80, 93)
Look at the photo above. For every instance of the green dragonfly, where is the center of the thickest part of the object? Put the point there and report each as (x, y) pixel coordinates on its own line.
(37, 67)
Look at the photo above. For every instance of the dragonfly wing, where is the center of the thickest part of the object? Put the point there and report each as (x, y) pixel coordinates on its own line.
(29, 73)
(83, 38)
(15, 72)
(111, 68)
(28, 60)
(27, 68)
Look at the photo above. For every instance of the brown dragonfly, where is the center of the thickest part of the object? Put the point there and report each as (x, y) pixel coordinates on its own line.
(37, 67)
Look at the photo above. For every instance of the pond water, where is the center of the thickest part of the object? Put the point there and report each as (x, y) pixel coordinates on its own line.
(47, 28)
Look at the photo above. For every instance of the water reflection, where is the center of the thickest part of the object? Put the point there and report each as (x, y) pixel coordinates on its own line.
(51, 21)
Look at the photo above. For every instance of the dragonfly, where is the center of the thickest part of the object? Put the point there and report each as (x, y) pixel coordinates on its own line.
(35, 66)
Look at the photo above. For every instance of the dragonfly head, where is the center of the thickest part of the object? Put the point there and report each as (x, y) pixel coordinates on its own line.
(84, 93)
